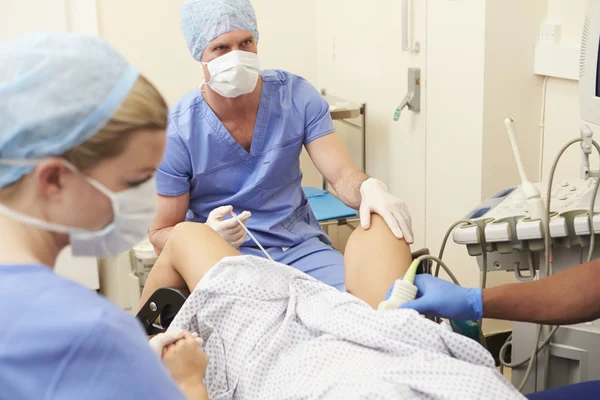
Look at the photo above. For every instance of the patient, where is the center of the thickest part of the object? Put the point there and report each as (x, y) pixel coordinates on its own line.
(272, 332)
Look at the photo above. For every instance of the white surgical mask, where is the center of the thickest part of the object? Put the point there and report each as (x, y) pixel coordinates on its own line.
(133, 211)
(233, 74)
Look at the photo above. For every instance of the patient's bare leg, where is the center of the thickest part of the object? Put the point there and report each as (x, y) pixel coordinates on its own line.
(191, 251)
(373, 260)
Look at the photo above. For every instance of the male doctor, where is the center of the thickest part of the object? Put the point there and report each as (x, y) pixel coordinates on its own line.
(234, 144)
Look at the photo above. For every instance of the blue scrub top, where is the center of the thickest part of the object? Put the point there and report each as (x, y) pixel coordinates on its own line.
(202, 158)
(61, 341)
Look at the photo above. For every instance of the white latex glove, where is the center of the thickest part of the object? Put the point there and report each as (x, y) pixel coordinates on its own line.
(158, 342)
(162, 340)
(228, 229)
(377, 200)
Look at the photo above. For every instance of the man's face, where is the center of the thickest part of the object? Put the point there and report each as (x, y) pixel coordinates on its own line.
(231, 41)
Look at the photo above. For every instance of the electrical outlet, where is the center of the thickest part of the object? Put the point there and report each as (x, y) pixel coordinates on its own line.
(550, 34)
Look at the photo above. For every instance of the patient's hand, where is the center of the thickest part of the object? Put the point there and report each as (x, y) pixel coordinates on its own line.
(187, 364)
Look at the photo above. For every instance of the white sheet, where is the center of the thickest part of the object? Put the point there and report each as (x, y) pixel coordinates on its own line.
(272, 332)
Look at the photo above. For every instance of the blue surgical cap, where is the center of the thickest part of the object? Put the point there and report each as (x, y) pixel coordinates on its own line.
(56, 91)
(202, 21)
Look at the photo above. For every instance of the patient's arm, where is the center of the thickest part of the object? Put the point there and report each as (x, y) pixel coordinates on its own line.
(191, 251)
(374, 259)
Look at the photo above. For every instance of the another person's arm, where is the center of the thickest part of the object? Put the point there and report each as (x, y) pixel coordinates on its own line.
(353, 187)
(356, 189)
(187, 364)
(110, 359)
(170, 212)
(570, 297)
(173, 184)
(333, 161)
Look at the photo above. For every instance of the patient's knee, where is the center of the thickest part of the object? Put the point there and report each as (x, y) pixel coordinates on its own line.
(378, 224)
(193, 234)
(187, 229)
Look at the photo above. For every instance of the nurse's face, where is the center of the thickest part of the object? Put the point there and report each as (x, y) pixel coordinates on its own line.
(85, 206)
(231, 41)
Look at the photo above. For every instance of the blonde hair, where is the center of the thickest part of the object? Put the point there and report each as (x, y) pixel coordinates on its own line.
(144, 108)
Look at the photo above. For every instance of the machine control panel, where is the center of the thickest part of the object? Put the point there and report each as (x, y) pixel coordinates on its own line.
(507, 216)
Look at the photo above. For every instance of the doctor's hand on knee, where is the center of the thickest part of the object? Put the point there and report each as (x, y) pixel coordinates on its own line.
(439, 298)
(229, 229)
(377, 200)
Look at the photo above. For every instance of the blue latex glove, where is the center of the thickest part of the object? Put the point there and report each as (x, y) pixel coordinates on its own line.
(439, 298)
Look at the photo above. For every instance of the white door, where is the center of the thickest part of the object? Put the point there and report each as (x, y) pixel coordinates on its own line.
(361, 59)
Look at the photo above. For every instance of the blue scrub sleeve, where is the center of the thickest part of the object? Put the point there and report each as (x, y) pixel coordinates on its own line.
(112, 361)
(175, 172)
(318, 121)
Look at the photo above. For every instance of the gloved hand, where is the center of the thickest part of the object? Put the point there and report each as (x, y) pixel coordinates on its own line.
(228, 229)
(376, 199)
(162, 340)
(439, 298)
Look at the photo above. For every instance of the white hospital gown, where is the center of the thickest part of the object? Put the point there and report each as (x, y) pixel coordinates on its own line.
(272, 332)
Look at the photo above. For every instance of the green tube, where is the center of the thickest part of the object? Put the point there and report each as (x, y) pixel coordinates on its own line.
(412, 271)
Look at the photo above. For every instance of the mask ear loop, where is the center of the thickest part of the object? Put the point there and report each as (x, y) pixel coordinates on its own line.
(112, 197)
(203, 83)
(45, 225)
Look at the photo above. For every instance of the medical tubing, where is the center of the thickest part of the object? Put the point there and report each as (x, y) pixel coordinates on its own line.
(483, 242)
(445, 241)
(239, 221)
(440, 263)
(540, 347)
(548, 265)
(483, 283)
(591, 213)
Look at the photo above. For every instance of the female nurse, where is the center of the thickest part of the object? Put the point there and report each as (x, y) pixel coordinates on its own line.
(81, 135)
(235, 143)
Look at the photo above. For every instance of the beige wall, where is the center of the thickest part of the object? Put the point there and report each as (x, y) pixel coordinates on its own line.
(151, 38)
(511, 90)
(455, 58)
(17, 18)
(360, 59)
(562, 111)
